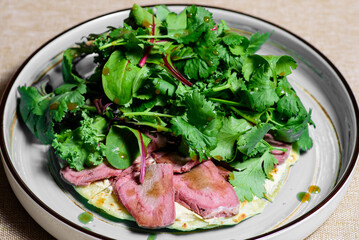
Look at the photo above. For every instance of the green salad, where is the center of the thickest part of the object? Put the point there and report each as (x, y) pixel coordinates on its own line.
(181, 75)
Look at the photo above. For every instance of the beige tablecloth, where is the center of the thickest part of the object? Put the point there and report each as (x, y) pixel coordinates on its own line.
(332, 26)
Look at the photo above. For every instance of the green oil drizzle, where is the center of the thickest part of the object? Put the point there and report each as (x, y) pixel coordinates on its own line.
(303, 197)
(152, 236)
(85, 217)
(306, 196)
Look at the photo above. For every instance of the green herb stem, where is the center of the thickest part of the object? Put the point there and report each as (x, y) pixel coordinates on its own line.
(227, 102)
(130, 114)
(117, 42)
(221, 88)
(159, 128)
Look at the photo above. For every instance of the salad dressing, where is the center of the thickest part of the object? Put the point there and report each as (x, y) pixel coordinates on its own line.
(314, 189)
(303, 197)
(106, 71)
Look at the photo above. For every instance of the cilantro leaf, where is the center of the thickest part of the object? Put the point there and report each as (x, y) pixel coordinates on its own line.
(34, 112)
(249, 181)
(199, 110)
(248, 141)
(231, 129)
(256, 41)
(199, 141)
(69, 97)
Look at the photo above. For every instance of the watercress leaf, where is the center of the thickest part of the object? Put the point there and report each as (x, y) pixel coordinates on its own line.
(122, 146)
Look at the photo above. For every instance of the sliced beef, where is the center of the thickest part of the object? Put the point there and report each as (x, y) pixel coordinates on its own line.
(152, 202)
(280, 155)
(87, 176)
(224, 168)
(204, 191)
(224, 172)
(180, 164)
(158, 141)
(136, 164)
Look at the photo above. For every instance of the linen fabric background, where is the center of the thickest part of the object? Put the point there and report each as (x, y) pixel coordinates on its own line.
(331, 26)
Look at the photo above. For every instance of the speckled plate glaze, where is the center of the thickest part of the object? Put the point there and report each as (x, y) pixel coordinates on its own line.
(328, 165)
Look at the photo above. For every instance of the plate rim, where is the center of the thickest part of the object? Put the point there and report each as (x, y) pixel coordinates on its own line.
(7, 160)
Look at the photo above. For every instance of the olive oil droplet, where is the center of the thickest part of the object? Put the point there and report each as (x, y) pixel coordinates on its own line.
(105, 71)
(314, 189)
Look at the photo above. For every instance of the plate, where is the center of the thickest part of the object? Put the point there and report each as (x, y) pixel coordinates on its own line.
(329, 164)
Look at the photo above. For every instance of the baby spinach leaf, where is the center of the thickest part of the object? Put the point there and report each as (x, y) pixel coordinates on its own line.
(122, 146)
(118, 77)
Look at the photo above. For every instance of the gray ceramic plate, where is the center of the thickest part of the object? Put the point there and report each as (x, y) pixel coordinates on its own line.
(328, 165)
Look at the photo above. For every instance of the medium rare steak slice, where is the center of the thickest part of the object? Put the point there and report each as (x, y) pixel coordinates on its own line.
(151, 203)
(204, 191)
(180, 164)
(87, 176)
(281, 156)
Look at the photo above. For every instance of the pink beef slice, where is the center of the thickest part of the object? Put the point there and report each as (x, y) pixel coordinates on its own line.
(204, 191)
(151, 203)
(87, 176)
(180, 164)
(281, 156)
(158, 141)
